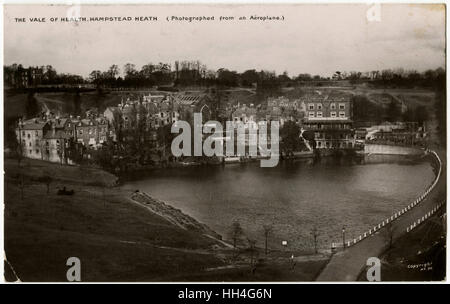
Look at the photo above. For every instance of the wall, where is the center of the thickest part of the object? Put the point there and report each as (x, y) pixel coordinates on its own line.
(395, 150)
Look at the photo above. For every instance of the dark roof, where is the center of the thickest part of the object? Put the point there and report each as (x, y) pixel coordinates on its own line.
(34, 125)
(59, 123)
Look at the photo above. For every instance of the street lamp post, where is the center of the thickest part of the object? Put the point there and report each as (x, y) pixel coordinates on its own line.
(343, 237)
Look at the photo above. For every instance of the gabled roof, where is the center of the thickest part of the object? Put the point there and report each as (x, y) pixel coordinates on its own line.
(60, 123)
(34, 125)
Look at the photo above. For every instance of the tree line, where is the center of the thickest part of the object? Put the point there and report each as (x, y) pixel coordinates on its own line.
(190, 73)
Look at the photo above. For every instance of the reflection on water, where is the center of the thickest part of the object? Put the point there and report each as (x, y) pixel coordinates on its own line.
(294, 197)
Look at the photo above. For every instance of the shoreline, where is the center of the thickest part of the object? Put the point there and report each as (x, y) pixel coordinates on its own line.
(324, 249)
(84, 185)
(173, 215)
(316, 154)
(375, 243)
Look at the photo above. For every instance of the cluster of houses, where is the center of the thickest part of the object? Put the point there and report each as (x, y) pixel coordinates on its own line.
(53, 138)
(327, 115)
(56, 139)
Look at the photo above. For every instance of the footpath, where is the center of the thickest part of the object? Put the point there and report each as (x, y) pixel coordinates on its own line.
(346, 265)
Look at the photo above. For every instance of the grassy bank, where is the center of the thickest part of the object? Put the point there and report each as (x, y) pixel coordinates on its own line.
(115, 238)
(416, 256)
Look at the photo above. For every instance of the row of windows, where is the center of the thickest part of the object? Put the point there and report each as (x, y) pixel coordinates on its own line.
(328, 144)
(319, 135)
(90, 131)
(319, 114)
(332, 106)
(36, 133)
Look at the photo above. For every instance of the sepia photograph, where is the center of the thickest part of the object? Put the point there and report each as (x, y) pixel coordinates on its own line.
(211, 143)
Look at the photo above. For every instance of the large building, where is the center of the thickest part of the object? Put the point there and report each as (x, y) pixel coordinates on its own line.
(329, 116)
(29, 135)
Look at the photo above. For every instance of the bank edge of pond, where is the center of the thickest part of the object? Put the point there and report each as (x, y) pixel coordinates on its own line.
(181, 219)
(173, 215)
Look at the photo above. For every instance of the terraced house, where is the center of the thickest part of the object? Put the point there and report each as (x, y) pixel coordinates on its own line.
(91, 132)
(330, 117)
(52, 138)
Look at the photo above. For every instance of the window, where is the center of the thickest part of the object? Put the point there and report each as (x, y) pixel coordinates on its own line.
(28, 135)
(80, 132)
(311, 114)
(311, 106)
(319, 106)
(319, 114)
(36, 133)
(333, 114)
(333, 106)
(23, 133)
(341, 106)
(341, 114)
(37, 151)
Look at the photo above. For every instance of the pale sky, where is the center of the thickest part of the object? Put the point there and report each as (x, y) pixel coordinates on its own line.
(315, 39)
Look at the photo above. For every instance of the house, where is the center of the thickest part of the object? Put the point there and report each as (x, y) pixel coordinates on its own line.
(190, 103)
(29, 134)
(329, 116)
(245, 114)
(92, 133)
(283, 103)
(56, 144)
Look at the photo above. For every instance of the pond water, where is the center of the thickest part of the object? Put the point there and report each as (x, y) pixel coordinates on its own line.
(293, 197)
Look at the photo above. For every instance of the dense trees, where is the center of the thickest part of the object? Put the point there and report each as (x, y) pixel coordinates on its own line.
(194, 73)
(290, 137)
(17, 76)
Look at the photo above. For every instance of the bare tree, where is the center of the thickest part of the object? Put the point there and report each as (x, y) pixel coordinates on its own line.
(315, 235)
(267, 230)
(252, 250)
(390, 230)
(236, 232)
(47, 180)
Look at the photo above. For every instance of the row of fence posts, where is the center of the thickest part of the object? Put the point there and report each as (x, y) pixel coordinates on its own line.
(398, 213)
(426, 216)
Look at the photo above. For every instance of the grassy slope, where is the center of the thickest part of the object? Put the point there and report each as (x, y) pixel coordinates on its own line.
(425, 244)
(114, 239)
